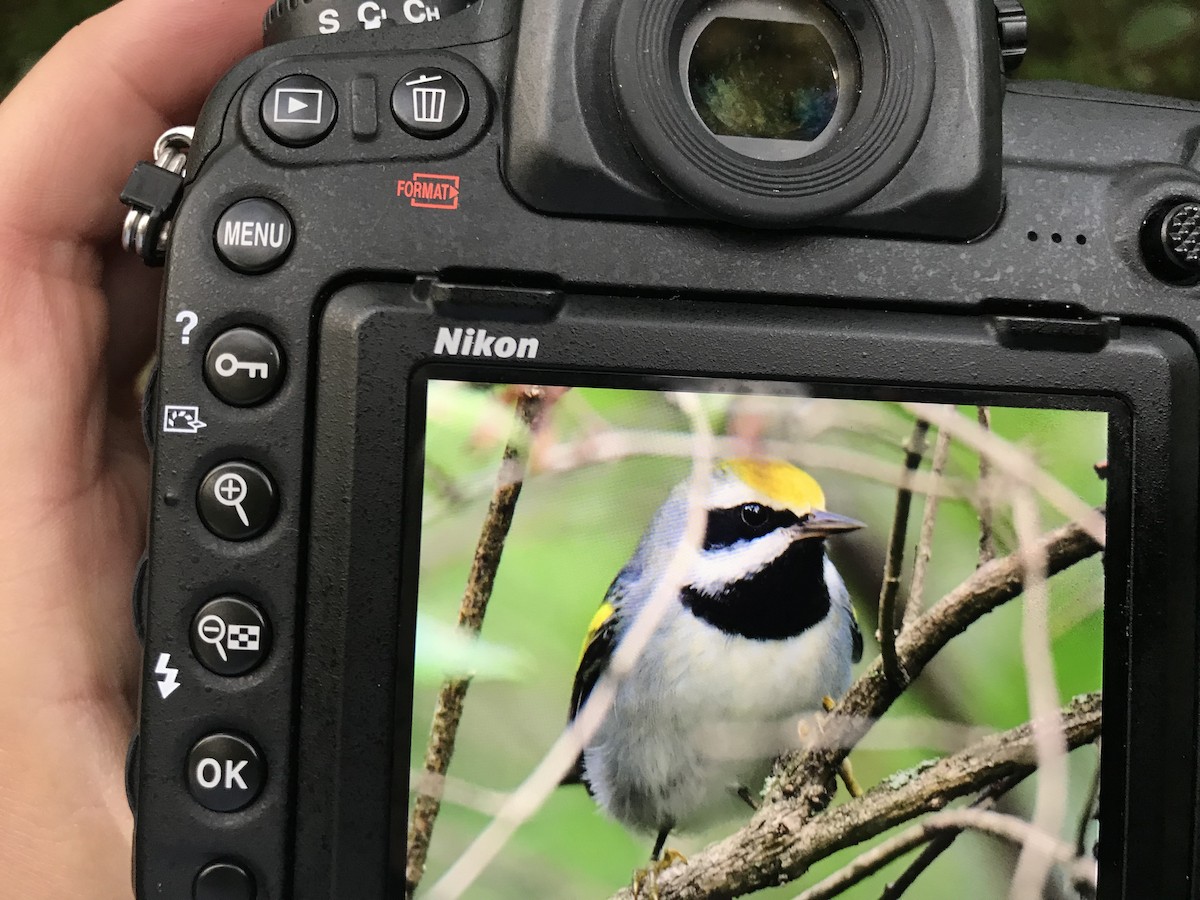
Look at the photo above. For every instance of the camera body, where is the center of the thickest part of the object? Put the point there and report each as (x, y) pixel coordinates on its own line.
(527, 188)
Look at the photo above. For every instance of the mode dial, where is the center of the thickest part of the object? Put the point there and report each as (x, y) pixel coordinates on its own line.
(290, 19)
(1171, 241)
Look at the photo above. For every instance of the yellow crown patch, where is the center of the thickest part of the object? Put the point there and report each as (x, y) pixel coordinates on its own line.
(781, 482)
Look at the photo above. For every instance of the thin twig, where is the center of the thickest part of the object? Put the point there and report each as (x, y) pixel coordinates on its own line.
(448, 713)
(1050, 802)
(1091, 810)
(942, 842)
(1016, 463)
(1018, 831)
(537, 788)
(782, 841)
(914, 452)
(916, 592)
(987, 537)
(620, 444)
(867, 864)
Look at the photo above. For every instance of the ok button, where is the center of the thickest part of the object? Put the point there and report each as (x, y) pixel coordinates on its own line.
(225, 773)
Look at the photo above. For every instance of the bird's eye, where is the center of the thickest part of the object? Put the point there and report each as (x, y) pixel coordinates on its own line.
(754, 516)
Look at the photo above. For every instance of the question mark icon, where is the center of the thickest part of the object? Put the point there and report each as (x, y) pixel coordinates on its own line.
(190, 320)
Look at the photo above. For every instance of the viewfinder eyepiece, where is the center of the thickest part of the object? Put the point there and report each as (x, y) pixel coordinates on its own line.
(774, 112)
(771, 81)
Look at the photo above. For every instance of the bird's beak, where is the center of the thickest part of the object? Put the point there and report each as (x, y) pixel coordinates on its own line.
(821, 523)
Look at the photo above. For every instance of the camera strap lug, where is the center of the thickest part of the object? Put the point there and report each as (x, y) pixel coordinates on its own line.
(1063, 335)
(153, 194)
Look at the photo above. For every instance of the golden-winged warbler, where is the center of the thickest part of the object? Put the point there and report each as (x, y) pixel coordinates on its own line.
(761, 632)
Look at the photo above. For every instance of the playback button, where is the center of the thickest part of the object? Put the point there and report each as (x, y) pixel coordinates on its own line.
(299, 110)
(244, 367)
(230, 636)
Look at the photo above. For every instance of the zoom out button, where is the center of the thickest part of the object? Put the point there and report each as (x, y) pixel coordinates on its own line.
(230, 636)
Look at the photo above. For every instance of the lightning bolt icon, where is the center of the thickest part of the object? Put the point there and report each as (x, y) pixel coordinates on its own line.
(169, 682)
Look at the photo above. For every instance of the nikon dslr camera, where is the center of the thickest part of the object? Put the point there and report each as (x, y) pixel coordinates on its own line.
(479, 317)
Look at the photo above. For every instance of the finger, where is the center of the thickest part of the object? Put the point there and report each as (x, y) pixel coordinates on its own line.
(95, 104)
(133, 292)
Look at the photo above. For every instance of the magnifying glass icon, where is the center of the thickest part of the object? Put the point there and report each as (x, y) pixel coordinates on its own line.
(211, 629)
(231, 490)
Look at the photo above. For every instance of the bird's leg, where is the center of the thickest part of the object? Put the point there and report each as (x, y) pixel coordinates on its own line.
(659, 844)
(647, 878)
(845, 770)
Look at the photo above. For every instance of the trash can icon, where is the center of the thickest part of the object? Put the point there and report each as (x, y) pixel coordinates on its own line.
(429, 103)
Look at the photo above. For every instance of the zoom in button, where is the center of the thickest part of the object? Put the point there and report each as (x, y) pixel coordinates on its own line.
(237, 501)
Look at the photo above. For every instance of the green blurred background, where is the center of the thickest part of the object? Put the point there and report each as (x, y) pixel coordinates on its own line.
(1142, 45)
(574, 529)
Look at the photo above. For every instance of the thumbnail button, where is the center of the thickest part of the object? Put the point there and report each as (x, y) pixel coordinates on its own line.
(299, 110)
(255, 236)
(224, 881)
(244, 367)
(230, 636)
(225, 773)
(429, 103)
(237, 501)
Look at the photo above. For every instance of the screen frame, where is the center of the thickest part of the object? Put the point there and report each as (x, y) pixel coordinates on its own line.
(377, 357)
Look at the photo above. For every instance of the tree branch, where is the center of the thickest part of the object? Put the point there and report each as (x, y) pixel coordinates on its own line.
(916, 591)
(951, 824)
(482, 578)
(1050, 804)
(781, 843)
(914, 452)
(987, 537)
(762, 853)
(938, 839)
(943, 841)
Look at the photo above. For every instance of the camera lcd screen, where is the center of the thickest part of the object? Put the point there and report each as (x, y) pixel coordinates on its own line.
(754, 533)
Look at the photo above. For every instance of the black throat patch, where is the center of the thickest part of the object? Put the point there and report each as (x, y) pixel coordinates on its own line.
(785, 598)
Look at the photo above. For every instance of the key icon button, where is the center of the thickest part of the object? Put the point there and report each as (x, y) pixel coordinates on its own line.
(229, 365)
(244, 367)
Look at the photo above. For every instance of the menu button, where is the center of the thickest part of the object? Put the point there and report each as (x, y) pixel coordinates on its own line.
(254, 236)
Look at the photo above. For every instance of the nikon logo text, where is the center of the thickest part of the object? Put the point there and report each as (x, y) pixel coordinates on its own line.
(469, 342)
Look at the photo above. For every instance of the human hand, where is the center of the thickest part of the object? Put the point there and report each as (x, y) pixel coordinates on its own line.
(76, 324)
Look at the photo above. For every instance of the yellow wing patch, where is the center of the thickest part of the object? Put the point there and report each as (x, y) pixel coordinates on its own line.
(780, 481)
(603, 614)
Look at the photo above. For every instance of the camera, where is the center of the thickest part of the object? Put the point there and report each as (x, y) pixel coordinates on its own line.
(481, 317)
